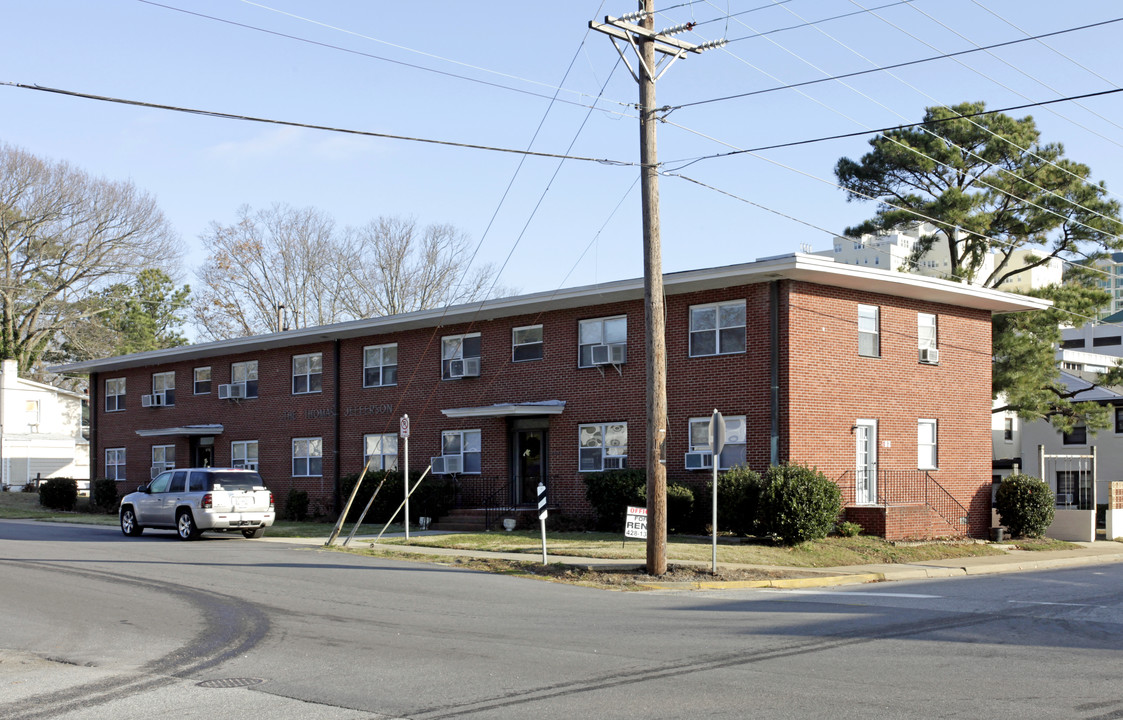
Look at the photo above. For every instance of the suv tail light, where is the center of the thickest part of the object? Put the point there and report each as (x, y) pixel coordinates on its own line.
(208, 501)
(270, 501)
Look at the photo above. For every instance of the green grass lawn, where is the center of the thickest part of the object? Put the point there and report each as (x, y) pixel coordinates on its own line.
(829, 552)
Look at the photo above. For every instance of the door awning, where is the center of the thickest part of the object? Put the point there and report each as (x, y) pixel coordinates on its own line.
(182, 430)
(542, 407)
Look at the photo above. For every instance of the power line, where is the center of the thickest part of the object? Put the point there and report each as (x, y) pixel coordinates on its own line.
(414, 66)
(309, 126)
(860, 133)
(816, 22)
(889, 67)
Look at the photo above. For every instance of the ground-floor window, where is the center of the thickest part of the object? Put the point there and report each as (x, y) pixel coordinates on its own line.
(733, 453)
(243, 454)
(307, 457)
(461, 452)
(602, 446)
(115, 463)
(163, 458)
(381, 451)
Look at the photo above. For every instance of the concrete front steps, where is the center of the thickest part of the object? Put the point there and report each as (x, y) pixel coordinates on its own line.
(474, 519)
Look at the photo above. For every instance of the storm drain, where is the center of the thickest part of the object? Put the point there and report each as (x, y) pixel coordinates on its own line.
(230, 682)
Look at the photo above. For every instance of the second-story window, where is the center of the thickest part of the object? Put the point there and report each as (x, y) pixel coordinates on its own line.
(246, 373)
(380, 365)
(114, 394)
(926, 338)
(602, 341)
(717, 329)
(163, 386)
(202, 380)
(307, 373)
(869, 330)
(526, 343)
(460, 356)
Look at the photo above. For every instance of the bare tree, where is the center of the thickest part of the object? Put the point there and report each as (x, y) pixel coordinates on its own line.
(282, 256)
(63, 236)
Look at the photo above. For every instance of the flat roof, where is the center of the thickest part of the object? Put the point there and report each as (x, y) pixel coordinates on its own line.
(797, 266)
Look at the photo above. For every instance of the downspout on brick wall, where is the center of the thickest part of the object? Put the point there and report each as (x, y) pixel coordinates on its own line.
(94, 425)
(337, 498)
(774, 367)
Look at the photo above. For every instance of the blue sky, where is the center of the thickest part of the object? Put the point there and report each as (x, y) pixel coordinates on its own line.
(202, 169)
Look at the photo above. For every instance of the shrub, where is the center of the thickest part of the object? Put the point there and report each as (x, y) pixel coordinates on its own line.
(738, 495)
(610, 493)
(432, 498)
(58, 493)
(296, 505)
(1025, 505)
(798, 503)
(849, 529)
(105, 494)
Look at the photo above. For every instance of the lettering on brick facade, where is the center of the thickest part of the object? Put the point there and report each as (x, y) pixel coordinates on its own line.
(288, 415)
(384, 409)
(321, 413)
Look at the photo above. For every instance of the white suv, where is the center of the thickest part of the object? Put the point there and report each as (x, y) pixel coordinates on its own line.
(192, 500)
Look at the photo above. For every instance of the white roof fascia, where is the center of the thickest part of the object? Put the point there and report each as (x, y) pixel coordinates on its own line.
(799, 266)
(182, 430)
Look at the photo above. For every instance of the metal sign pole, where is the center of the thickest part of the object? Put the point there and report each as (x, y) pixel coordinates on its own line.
(717, 444)
(404, 432)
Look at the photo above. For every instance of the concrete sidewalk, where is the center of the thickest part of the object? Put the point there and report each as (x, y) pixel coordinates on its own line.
(1012, 561)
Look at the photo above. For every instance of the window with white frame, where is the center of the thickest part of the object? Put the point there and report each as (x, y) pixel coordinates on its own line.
(114, 394)
(245, 373)
(380, 365)
(869, 330)
(602, 341)
(733, 453)
(380, 451)
(526, 343)
(1008, 429)
(307, 373)
(202, 381)
(926, 455)
(717, 329)
(31, 414)
(602, 446)
(926, 339)
(164, 384)
(307, 457)
(460, 356)
(163, 458)
(115, 463)
(467, 445)
(243, 454)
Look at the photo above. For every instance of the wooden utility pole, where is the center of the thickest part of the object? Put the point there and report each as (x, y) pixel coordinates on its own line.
(646, 42)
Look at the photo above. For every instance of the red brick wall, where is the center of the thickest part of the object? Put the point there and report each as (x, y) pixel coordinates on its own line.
(829, 386)
(824, 386)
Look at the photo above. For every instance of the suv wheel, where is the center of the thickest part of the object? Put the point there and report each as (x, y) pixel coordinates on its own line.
(129, 525)
(185, 525)
(253, 533)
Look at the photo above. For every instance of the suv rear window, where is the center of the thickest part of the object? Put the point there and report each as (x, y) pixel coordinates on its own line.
(235, 480)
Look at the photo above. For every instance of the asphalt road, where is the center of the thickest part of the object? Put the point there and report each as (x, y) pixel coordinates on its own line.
(97, 625)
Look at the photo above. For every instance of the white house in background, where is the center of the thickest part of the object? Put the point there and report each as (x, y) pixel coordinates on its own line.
(1112, 281)
(41, 431)
(891, 251)
(1102, 338)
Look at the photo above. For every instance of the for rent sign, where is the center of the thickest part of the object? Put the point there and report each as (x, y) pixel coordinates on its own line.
(635, 523)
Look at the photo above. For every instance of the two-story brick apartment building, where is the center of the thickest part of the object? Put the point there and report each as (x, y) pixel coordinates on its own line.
(879, 379)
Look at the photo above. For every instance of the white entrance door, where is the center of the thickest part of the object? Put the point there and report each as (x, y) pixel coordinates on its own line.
(865, 461)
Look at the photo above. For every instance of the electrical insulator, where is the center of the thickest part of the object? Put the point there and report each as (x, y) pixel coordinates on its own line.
(675, 30)
(634, 16)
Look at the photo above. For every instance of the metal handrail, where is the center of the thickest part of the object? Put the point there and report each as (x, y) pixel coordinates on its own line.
(493, 495)
(909, 487)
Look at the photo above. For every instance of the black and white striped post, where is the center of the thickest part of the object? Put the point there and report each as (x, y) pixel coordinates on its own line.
(542, 513)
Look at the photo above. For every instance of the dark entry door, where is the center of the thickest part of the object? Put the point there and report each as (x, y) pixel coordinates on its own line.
(202, 452)
(529, 464)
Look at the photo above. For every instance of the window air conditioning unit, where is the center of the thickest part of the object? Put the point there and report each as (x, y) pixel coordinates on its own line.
(930, 356)
(233, 391)
(617, 353)
(615, 462)
(702, 460)
(153, 400)
(601, 355)
(154, 471)
(446, 464)
(465, 367)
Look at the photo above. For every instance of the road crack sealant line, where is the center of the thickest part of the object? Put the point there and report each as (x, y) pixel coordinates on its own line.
(232, 626)
(671, 671)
